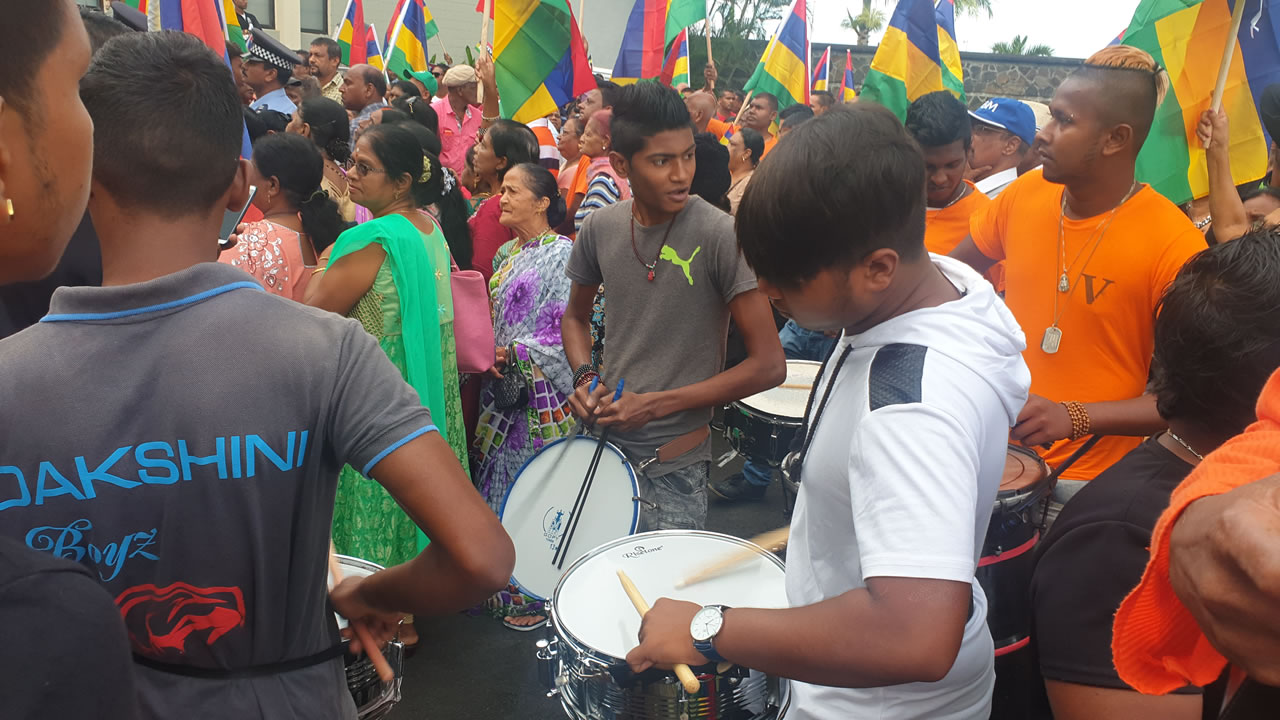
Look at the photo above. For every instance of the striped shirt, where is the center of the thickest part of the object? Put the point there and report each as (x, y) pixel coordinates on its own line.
(548, 153)
(601, 192)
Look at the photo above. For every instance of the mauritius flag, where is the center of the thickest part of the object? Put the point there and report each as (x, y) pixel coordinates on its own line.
(948, 50)
(908, 62)
(847, 93)
(675, 70)
(1188, 37)
(351, 34)
(822, 73)
(373, 51)
(539, 61)
(408, 46)
(784, 69)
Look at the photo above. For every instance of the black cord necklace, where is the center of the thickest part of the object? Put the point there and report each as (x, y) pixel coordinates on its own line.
(797, 467)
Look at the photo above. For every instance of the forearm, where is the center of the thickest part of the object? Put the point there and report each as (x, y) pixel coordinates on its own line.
(1230, 220)
(1135, 416)
(753, 375)
(489, 111)
(847, 641)
(968, 253)
(430, 584)
(575, 333)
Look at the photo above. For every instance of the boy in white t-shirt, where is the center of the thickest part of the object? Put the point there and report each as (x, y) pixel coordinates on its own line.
(906, 442)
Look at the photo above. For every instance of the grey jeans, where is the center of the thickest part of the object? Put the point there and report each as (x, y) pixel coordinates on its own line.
(680, 497)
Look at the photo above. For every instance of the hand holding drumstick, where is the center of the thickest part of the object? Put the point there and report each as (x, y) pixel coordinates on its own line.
(686, 676)
(362, 620)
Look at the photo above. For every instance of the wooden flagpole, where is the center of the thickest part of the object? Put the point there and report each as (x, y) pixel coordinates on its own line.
(707, 31)
(1228, 53)
(484, 43)
(582, 7)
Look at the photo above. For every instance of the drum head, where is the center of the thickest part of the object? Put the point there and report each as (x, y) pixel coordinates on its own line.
(352, 567)
(591, 606)
(788, 400)
(1022, 469)
(536, 511)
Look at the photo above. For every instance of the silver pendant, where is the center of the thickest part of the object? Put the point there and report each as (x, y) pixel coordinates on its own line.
(1052, 339)
(1064, 285)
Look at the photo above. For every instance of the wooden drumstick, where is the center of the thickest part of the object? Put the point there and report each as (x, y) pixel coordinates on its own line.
(772, 541)
(687, 678)
(371, 650)
(796, 386)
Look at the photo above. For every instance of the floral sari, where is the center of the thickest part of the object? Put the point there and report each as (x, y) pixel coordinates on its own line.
(529, 292)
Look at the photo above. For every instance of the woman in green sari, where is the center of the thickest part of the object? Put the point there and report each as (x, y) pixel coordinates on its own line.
(392, 274)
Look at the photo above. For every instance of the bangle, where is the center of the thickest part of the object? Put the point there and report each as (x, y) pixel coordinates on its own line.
(318, 270)
(1080, 422)
(486, 118)
(585, 379)
(582, 370)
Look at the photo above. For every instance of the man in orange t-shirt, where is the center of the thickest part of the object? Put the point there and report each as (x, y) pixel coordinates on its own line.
(940, 123)
(1088, 252)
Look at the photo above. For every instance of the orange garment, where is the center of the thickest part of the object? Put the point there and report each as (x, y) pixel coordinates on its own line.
(1156, 644)
(768, 145)
(579, 179)
(945, 228)
(717, 128)
(1107, 318)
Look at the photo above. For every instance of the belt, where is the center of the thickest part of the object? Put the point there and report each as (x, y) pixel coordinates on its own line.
(251, 671)
(682, 445)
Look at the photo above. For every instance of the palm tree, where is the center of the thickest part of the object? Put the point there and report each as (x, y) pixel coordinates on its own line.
(1018, 46)
(872, 19)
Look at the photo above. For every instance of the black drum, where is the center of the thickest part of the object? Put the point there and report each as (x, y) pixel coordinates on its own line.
(763, 426)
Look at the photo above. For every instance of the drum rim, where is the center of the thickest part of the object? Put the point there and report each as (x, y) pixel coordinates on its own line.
(358, 562)
(741, 402)
(579, 646)
(1023, 490)
(772, 419)
(635, 505)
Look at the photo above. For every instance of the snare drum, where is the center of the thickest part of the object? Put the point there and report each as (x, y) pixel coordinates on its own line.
(536, 512)
(373, 698)
(762, 426)
(1004, 571)
(596, 625)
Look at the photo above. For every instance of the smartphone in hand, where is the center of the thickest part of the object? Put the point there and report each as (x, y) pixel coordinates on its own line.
(232, 218)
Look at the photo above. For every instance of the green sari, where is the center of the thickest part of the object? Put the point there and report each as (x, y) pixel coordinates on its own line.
(409, 309)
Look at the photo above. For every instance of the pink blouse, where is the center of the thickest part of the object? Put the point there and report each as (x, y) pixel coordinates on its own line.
(273, 254)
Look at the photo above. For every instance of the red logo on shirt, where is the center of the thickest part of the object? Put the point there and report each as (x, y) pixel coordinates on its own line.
(170, 614)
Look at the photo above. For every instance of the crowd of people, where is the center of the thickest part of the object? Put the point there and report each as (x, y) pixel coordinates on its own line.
(195, 419)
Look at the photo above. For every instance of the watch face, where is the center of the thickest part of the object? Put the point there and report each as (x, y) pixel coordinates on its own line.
(706, 624)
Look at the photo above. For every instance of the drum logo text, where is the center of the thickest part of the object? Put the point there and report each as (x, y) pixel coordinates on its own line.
(639, 551)
(552, 525)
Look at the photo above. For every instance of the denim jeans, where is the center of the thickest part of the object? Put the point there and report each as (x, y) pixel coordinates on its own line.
(798, 344)
(680, 496)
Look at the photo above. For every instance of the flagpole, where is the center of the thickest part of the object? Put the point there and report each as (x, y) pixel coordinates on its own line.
(1228, 53)
(582, 6)
(707, 31)
(484, 43)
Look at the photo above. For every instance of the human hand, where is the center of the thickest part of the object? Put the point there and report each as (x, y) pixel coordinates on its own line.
(484, 71)
(348, 602)
(711, 74)
(629, 412)
(233, 239)
(976, 172)
(664, 637)
(499, 362)
(448, 59)
(1213, 130)
(1224, 566)
(1041, 421)
(586, 402)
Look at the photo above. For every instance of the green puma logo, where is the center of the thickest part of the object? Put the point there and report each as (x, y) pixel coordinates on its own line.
(669, 254)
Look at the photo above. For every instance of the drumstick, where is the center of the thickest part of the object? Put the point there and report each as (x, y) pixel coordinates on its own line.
(687, 678)
(795, 386)
(772, 541)
(385, 673)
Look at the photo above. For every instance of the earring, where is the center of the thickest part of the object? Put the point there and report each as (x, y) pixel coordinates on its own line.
(8, 204)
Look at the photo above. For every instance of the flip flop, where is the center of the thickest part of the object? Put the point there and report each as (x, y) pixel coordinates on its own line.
(524, 628)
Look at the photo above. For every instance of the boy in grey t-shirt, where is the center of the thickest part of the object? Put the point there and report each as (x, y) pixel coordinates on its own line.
(179, 431)
(673, 277)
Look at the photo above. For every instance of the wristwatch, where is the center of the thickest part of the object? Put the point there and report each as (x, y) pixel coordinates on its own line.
(704, 628)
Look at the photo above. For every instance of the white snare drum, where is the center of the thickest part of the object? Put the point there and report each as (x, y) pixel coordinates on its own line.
(536, 513)
(596, 625)
(763, 425)
(373, 698)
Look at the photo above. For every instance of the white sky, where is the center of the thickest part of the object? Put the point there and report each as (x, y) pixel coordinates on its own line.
(1073, 28)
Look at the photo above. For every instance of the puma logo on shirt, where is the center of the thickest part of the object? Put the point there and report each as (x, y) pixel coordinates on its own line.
(669, 254)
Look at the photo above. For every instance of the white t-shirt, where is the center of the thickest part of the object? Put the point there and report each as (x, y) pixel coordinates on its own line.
(900, 480)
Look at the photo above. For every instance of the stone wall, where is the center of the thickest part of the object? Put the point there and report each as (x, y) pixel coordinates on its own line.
(985, 75)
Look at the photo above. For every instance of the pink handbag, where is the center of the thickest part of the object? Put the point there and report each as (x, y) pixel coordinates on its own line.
(472, 321)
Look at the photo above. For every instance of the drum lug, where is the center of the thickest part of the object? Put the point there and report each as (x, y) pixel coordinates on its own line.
(547, 653)
(652, 505)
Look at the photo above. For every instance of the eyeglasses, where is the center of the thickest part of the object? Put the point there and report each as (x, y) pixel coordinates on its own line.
(361, 169)
(437, 75)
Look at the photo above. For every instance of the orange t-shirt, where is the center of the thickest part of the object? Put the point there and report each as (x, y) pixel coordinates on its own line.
(768, 145)
(579, 179)
(1107, 319)
(945, 228)
(1156, 645)
(717, 128)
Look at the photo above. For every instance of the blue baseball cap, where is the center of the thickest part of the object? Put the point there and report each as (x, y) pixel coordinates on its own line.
(1008, 114)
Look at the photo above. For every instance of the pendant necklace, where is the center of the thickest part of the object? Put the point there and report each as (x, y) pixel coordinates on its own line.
(651, 267)
(1052, 339)
(1184, 444)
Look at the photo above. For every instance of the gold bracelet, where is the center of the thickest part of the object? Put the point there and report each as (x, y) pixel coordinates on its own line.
(1080, 421)
(318, 270)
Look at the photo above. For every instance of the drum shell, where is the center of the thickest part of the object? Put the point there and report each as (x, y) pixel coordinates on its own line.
(594, 685)
(759, 435)
(373, 698)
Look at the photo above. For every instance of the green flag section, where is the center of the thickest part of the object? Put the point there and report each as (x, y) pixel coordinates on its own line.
(1188, 37)
(235, 34)
(909, 61)
(539, 60)
(784, 70)
(681, 14)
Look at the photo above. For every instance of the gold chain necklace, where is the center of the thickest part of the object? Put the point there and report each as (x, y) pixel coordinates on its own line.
(1052, 339)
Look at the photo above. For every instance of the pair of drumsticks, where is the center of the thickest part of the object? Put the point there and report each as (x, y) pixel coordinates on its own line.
(371, 649)
(772, 541)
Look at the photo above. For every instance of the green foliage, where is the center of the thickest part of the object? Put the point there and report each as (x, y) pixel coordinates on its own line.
(1018, 46)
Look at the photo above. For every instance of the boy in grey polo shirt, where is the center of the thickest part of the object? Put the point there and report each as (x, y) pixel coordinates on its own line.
(179, 431)
(673, 276)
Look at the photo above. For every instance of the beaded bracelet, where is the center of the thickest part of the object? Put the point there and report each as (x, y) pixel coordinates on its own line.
(582, 371)
(1080, 422)
(585, 379)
